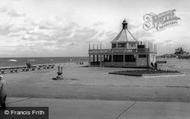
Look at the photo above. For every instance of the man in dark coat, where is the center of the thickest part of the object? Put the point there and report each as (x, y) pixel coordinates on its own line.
(3, 93)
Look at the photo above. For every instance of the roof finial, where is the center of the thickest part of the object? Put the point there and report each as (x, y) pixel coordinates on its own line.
(124, 24)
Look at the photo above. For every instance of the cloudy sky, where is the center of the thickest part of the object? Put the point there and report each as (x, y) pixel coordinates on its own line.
(33, 28)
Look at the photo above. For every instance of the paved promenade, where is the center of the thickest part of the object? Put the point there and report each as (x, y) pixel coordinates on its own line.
(100, 109)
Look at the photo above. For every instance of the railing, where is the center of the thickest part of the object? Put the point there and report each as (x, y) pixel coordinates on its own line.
(100, 51)
(16, 69)
(117, 50)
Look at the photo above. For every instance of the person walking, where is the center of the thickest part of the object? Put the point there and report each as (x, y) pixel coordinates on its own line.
(3, 93)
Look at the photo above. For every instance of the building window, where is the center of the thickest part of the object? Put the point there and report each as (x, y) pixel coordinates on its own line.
(118, 58)
(133, 45)
(121, 45)
(142, 56)
(130, 58)
(113, 45)
(141, 46)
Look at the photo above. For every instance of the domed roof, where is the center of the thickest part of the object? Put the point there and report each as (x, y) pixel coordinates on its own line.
(124, 35)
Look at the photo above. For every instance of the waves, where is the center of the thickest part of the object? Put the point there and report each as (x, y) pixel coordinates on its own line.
(12, 60)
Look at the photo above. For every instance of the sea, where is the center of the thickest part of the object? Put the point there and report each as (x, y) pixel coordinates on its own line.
(21, 61)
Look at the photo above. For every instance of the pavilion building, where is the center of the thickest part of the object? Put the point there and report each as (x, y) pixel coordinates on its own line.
(125, 51)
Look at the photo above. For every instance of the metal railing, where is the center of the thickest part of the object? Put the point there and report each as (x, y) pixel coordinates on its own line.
(115, 50)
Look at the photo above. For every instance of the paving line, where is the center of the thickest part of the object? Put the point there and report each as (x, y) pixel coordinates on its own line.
(173, 75)
(125, 110)
(19, 100)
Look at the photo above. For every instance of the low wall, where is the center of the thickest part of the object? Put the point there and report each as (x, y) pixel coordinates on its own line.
(119, 64)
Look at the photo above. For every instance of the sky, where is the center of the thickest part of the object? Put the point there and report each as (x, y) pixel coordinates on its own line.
(56, 28)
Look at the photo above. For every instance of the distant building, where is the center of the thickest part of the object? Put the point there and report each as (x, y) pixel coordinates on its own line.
(181, 54)
(125, 51)
(180, 51)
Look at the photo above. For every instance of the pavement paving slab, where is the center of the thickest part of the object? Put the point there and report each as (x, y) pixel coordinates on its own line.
(102, 109)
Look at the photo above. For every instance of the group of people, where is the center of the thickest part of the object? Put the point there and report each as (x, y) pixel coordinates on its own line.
(59, 74)
(154, 65)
